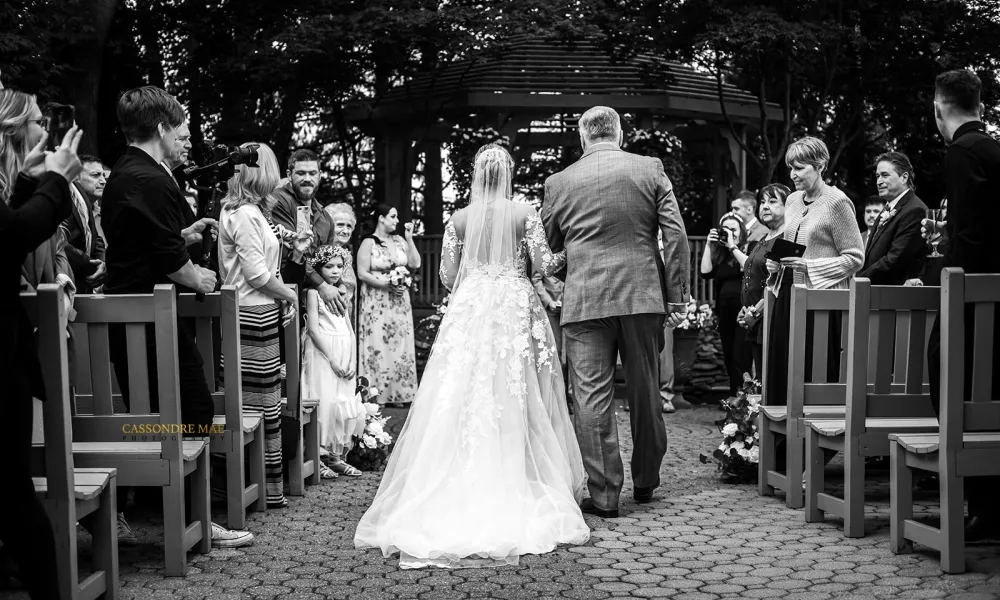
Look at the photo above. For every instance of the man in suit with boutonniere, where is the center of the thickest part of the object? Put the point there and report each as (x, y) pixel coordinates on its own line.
(895, 251)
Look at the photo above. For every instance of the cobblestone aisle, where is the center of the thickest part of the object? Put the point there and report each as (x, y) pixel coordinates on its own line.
(700, 540)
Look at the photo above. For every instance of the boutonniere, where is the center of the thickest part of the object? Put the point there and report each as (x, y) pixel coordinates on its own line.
(886, 216)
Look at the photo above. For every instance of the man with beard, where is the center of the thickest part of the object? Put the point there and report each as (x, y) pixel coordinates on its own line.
(303, 173)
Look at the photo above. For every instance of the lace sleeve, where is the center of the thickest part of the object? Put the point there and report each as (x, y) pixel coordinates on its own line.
(543, 260)
(451, 256)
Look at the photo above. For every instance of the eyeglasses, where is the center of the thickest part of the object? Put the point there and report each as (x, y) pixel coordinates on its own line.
(43, 122)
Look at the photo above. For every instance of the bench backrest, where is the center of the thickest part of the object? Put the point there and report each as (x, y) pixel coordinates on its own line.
(293, 354)
(887, 328)
(822, 306)
(978, 410)
(219, 311)
(94, 316)
(47, 312)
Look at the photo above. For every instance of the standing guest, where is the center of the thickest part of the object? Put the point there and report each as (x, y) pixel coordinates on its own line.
(772, 215)
(972, 173)
(34, 199)
(745, 206)
(822, 218)
(84, 245)
(344, 223)
(91, 183)
(895, 252)
(175, 164)
(722, 261)
(149, 227)
(304, 180)
(873, 208)
(667, 371)
(387, 351)
(329, 366)
(249, 259)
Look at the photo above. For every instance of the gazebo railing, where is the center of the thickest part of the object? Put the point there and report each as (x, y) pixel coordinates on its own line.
(430, 291)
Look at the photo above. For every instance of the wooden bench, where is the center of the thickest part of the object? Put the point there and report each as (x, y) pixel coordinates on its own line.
(818, 399)
(105, 439)
(887, 330)
(303, 467)
(241, 433)
(967, 443)
(69, 494)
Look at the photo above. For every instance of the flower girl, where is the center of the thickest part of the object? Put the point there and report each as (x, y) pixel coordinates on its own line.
(328, 369)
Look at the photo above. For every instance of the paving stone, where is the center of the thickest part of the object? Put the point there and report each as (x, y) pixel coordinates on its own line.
(700, 539)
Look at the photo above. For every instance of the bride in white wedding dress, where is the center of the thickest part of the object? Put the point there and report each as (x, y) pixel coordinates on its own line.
(487, 466)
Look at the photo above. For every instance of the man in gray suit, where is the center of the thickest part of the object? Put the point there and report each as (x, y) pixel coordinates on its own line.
(605, 210)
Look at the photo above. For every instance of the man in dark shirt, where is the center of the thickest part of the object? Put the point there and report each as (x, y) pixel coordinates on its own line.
(972, 169)
(148, 233)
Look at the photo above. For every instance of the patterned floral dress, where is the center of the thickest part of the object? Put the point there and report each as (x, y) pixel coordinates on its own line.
(387, 353)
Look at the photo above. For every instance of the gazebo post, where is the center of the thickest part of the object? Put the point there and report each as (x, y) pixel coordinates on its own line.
(393, 161)
(433, 189)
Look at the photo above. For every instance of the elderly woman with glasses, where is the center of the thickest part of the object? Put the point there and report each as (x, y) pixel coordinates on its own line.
(822, 218)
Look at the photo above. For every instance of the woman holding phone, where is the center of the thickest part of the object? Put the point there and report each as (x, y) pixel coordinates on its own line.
(723, 261)
(386, 356)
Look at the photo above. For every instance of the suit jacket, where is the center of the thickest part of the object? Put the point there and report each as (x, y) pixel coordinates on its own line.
(30, 220)
(76, 245)
(895, 251)
(758, 232)
(605, 210)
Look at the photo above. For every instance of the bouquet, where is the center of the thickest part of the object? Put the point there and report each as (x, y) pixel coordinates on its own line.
(371, 449)
(401, 277)
(738, 454)
(698, 316)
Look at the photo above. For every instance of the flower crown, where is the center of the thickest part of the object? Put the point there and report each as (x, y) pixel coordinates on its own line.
(327, 253)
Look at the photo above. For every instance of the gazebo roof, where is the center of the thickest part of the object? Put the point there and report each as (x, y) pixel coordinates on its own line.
(545, 77)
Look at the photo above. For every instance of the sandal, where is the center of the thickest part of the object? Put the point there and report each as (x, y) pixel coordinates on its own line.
(326, 472)
(345, 469)
(280, 504)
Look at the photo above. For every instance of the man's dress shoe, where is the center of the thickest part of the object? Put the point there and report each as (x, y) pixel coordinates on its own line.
(643, 495)
(588, 507)
(979, 528)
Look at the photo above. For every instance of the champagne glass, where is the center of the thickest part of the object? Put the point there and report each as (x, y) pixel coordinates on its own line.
(934, 232)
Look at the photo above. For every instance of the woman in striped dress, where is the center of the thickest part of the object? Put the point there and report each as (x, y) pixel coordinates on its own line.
(249, 259)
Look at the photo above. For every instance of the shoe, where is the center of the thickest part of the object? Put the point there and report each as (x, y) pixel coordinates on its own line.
(643, 495)
(230, 538)
(125, 533)
(279, 504)
(588, 507)
(326, 472)
(668, 406)
(979, 528)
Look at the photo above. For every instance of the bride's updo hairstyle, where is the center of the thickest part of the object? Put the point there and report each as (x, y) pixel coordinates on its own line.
(492, 173)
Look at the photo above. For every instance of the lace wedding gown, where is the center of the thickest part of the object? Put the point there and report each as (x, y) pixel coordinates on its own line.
(487, 466)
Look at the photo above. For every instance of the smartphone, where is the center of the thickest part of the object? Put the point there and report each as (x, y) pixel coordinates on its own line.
(303, 218)
(61, 120)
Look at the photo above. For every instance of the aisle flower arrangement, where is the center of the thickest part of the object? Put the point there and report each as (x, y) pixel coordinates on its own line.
(738, 454)
(371, 449)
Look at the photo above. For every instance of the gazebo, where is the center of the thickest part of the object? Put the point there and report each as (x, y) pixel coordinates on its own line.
(550, 82)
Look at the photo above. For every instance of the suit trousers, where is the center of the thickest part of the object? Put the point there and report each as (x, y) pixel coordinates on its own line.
(557, 332)
(592, 349)
(25, 529)
(667, 393)
(979, 491)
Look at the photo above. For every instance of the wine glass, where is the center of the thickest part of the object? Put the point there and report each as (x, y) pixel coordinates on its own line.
(934, 232)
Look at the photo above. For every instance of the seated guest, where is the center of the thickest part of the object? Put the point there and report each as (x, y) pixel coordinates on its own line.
(772, 215)
(873, 207)
(249, 259)
(895, 253)
(149, 227)
(34, 199)
(722, 261)
(84, 245)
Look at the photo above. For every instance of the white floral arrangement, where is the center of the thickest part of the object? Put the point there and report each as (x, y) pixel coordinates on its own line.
(739, 452)
(401, 277)
(698, 316)
(371, 449)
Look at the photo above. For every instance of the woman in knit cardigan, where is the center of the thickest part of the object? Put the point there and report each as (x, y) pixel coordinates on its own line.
(822, 218)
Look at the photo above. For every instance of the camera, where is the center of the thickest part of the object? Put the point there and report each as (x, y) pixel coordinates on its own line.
(216, 163)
